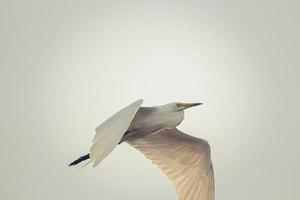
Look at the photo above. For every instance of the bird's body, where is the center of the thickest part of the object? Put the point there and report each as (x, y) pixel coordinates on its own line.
(152, 130)
(148, 120)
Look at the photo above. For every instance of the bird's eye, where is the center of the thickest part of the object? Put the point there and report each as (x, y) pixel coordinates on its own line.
(179, 105)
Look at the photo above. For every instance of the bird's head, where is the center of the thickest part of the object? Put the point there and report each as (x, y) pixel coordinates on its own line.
(177, 106)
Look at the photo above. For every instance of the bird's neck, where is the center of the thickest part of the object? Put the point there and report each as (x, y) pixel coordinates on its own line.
(171, 118)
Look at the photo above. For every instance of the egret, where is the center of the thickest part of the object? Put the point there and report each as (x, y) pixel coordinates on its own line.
(183, 158)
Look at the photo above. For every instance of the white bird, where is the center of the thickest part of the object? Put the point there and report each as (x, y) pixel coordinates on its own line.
(152, 130)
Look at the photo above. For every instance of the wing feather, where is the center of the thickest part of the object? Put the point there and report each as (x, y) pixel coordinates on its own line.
(183, 158)
(110, 132)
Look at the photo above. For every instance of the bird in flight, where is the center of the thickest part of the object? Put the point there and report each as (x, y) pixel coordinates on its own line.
(152, 131)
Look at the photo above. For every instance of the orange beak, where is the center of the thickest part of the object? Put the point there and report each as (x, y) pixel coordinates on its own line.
(188, 105)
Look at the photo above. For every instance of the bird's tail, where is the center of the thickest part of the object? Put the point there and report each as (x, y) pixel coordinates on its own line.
(79, 160)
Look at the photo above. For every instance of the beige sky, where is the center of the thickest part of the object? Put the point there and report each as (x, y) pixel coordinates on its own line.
(66, 66)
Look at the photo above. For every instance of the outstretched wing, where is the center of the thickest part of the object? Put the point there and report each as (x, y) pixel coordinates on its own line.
(110, 132)
(184, 159)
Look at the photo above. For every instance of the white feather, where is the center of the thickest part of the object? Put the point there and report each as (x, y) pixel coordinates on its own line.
(110, 132)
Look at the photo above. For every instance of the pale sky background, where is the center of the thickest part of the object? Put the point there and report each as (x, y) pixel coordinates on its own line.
(65, 66)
